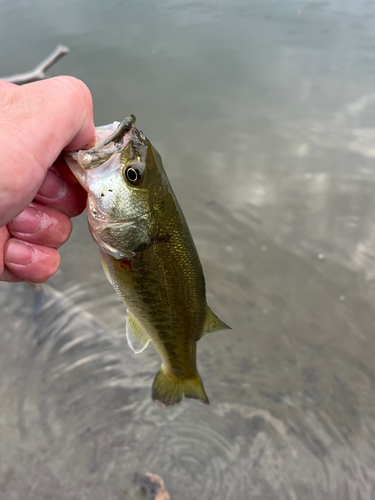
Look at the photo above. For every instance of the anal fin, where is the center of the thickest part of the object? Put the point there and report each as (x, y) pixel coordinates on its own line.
(213, 323)
(137, 336)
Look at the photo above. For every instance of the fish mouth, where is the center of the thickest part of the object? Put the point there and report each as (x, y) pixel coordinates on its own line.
(117, 136)
(119, 223)
(144, 216)
(92, 158)
(123, 222)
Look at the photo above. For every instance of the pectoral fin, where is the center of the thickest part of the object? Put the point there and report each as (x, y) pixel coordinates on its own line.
(137, 336)
(105, 269)
(213, 323)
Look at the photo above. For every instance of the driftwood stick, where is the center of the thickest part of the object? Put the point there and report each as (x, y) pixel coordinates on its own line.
(39, 72)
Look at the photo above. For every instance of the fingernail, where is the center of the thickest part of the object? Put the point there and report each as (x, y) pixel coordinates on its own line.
(19, 253)
(52, 187)
(28, 221)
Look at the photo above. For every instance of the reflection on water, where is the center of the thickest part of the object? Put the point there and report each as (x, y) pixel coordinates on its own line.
(264, 116)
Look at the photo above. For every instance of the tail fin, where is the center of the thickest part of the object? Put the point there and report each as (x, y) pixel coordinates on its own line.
(168, 389)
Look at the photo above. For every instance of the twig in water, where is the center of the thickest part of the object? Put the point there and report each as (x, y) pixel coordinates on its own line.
(39, 72)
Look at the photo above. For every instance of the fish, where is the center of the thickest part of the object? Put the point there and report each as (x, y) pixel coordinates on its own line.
(148, 254)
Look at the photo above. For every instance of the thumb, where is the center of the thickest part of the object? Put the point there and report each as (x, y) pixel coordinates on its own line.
(38, 121)
(5, 85)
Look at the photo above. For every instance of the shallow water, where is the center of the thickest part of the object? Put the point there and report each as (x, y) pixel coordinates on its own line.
(264, 114)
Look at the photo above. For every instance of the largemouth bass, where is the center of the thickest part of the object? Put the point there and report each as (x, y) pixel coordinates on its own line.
(148, 254)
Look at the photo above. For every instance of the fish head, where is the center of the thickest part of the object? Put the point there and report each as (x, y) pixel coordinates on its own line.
(126, 185)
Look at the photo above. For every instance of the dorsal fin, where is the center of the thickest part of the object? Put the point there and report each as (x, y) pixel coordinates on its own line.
(213, 323)
(137, 336)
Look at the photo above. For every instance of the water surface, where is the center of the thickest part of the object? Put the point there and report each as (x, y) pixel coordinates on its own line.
(264, 114)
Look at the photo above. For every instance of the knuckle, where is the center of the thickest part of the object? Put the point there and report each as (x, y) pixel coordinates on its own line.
(9, 96)
(42, 274)
(76, 86)
(65, 232)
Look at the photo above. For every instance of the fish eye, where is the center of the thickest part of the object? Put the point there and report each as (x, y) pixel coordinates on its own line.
(133, 175)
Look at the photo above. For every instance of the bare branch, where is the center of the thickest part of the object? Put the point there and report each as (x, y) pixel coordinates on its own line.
(39, 72)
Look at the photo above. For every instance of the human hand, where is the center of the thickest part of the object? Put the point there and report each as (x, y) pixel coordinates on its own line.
(38, 193)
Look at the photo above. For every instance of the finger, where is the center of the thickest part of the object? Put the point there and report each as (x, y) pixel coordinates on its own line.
(9, 277)
(58, 194)
(65, 171)
(41, 225)
(5, 274)
(29, 261)
(45, 117)
(6, 85)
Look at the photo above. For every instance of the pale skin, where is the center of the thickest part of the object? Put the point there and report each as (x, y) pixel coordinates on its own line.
(38, 193)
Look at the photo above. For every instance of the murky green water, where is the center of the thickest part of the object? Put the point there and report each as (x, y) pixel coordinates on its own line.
(264, 114)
